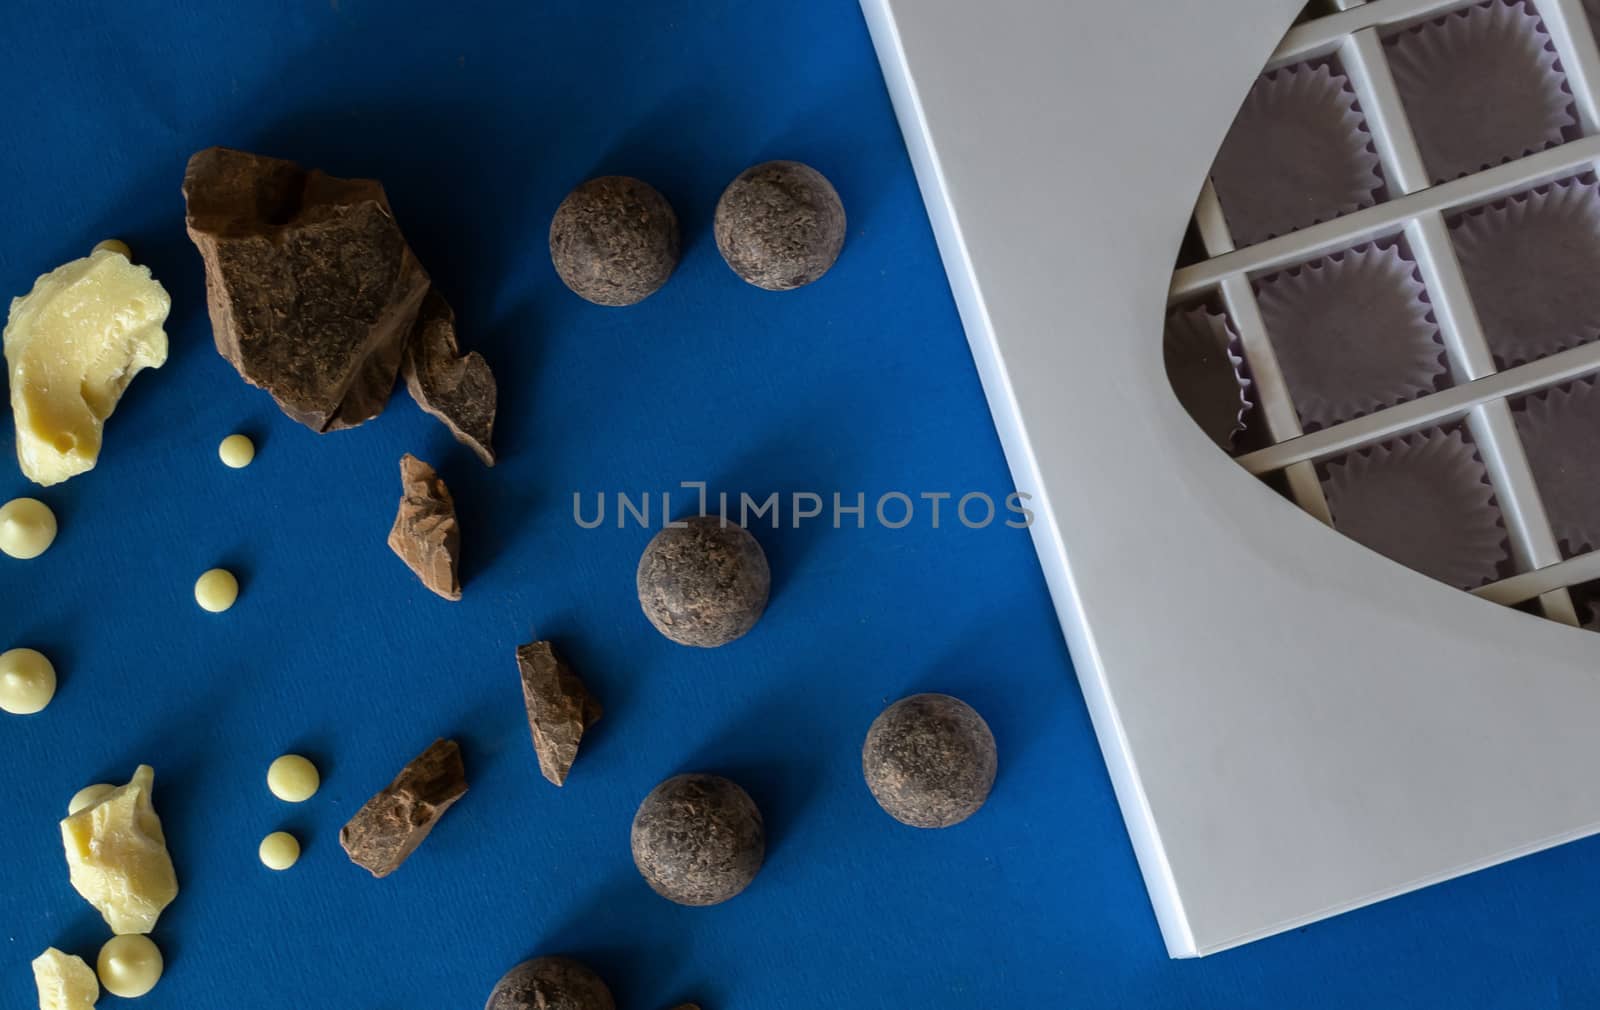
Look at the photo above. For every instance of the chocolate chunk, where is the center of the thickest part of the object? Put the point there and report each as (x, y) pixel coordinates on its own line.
(391, 825)
(780, 225)
(560, 708)
(929, 760)
(312, 288)
(550, 983)
(425, 534)
(458, 390)
(614, 240)
(698, 839)
(704, 583)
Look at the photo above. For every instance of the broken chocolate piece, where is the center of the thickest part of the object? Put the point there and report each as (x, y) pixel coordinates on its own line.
(560, 708)
(312, 288)
(457, 389)
(425, 533)
(393, 823)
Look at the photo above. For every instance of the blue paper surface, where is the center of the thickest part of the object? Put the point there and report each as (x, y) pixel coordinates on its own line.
(479, 118)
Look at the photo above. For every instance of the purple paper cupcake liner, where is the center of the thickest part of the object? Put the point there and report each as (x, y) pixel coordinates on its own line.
(1560, 431)
(1204, 365)
(1531, 263)
(1353, 334)
(1586, 601)
(1424, 501)
(1298, 153)
(1481, 87)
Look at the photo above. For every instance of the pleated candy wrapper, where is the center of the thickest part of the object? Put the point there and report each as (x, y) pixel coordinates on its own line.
(1204, 365)
(1531, 263)
(1481, 87)
(1560, 431)
(1424, 501)
(1298, 153)
(1352, 334)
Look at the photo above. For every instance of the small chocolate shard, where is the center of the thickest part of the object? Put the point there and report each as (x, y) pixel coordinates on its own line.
(312, 289)
(458, 390)
(425, 534)
(391, 825)
(560, 708)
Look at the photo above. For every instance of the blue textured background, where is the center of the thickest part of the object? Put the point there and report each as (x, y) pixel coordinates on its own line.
(479, 122)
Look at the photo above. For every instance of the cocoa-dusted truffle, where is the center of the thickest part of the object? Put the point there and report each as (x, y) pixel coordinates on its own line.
(698, 839)
(929, 760)
(614, 240)
(704, 583)
(550, 983)
(780, 225)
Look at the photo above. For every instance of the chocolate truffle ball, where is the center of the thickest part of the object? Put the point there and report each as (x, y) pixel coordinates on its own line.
(780, 225)
(929, 760)
(698, 839)
(614, 240)
(705, 583)
(550, 983)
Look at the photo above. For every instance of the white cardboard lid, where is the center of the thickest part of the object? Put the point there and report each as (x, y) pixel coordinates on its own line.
(1295, 726)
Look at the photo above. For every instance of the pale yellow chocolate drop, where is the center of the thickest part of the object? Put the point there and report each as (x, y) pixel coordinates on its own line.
(117, 856)
(279, 851)
(27, 528)
(88, 796)
(73, 344)
(237, 451)
(27, 681)
(64, 981)
(129, 966)
(216, 590)
(115, 245)
(293, 779)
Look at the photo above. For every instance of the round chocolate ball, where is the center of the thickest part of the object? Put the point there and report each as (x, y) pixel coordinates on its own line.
(704, 583)
(929, 760)
(698, 839)
(780, 225)
(614, 240)
(550, 983)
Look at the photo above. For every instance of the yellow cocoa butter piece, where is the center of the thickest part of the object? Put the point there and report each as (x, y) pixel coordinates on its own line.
(73, 344)
(64, 981)
(118, 857)
(88, 796)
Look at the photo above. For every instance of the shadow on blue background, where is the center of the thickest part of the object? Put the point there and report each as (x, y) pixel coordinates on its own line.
(478, 123)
